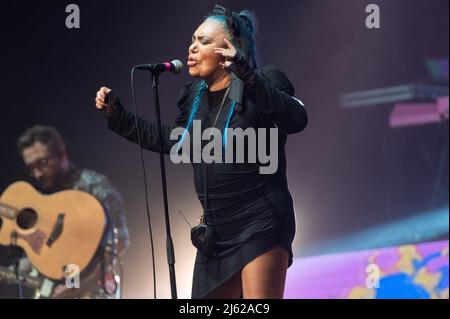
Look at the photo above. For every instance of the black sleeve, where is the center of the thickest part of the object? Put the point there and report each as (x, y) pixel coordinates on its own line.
(272, 92)
(124, 124)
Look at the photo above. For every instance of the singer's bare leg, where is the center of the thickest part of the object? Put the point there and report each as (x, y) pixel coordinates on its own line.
(230, 289)
(264, 277)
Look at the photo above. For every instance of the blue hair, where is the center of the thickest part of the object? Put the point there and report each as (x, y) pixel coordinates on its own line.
(242, 28)
(194, 110)
(230, 115)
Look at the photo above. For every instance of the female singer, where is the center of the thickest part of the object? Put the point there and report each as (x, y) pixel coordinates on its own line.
(249, 216)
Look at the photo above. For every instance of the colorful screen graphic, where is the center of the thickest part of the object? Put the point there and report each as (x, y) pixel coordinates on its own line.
(404, 272)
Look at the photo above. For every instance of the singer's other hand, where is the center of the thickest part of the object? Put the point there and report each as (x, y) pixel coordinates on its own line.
(228, 53)
(100, 99)
(108, 103)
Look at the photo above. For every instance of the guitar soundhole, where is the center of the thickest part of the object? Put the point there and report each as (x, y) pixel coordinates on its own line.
(27, 218)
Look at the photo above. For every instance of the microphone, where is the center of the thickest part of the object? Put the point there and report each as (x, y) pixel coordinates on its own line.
(175, 67)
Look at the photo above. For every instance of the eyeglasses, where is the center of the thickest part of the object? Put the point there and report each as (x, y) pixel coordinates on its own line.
(40, 164)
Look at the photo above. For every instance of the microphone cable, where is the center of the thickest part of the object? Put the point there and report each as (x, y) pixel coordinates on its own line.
(138, 132)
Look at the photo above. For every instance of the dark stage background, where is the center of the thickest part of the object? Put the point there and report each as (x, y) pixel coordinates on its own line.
(348, 171)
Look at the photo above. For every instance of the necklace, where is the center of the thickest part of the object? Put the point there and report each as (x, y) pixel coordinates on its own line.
(221, 105)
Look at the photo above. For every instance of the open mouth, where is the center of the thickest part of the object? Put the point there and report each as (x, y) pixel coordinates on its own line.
(191, 61)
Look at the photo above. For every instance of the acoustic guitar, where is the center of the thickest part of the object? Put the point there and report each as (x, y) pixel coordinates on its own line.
(57, 230)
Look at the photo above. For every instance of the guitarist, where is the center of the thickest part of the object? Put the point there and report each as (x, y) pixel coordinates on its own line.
(46, 160)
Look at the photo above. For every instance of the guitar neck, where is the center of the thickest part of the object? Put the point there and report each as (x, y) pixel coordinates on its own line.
(7, 211)
(9, 276)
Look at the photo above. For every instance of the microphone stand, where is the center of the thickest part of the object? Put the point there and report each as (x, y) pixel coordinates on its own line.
(169, 243)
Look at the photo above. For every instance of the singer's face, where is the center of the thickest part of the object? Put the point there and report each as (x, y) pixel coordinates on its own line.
(203, 62)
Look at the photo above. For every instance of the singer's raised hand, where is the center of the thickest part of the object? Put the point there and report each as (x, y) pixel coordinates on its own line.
(108, 103)
(228, 53)
(100, 99)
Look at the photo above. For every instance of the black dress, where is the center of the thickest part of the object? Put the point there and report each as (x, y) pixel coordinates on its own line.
(249, 212)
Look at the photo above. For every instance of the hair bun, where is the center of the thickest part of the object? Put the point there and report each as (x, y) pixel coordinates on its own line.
(248, 20)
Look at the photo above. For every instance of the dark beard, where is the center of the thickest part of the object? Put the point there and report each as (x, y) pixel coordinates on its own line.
(63, 180)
